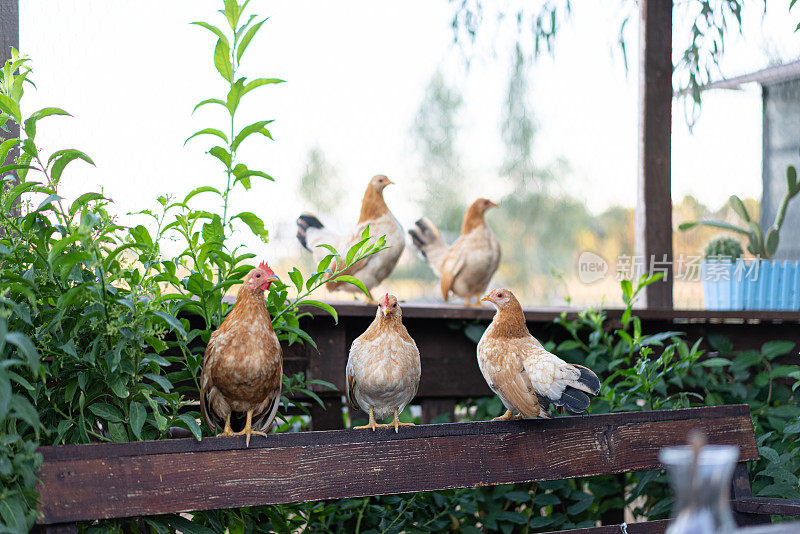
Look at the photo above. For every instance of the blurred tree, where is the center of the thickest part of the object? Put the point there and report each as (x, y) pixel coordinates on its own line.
(320, 185)
(702, 28)
(544, 227)
(435, 132)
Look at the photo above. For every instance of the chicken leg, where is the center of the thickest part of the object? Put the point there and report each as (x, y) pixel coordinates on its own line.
(372, 424)
(396, 423)
(508, 416)
(248, 431)
(228, 431)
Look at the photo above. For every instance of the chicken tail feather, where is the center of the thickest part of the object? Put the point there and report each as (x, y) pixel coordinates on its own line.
(425, 236)
(588, 379)
(574, 400)
(304, 222)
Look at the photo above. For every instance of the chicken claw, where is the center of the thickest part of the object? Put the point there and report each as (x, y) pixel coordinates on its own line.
(508, 416)
(372, 424)
(228, 430)
(248, 431)
(396, 423)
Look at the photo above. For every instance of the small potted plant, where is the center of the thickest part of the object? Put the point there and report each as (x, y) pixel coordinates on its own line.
(732, 283)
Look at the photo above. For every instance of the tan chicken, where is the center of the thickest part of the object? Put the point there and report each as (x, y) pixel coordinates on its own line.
(375, 214)
(383, 368)
(466, 267)
(525, 376)
(243, 364)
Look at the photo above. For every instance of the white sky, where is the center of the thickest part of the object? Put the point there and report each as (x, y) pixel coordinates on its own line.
(131, 72)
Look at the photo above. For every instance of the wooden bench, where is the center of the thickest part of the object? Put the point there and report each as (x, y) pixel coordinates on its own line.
(114, 480)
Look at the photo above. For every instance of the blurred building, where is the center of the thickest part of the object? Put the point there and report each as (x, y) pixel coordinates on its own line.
(780, 90)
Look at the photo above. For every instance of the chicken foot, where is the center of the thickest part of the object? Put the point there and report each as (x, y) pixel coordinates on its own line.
(372, 424)
(248, 431)
(396, 423)
(228, 431)
(508, 416)
(470, 304)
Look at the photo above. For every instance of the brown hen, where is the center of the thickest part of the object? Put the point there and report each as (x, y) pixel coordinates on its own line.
(525, 375)
(243, 364)
(465, 267)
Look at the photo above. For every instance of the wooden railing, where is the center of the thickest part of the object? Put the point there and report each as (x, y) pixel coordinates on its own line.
(101, 481)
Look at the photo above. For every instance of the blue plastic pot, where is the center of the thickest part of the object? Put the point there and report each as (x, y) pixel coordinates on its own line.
(751, 285)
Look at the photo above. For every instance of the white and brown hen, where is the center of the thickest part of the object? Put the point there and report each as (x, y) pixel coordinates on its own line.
(525, 376)
(375, 214)
(383, 369)
(465, 267)
(240, 385)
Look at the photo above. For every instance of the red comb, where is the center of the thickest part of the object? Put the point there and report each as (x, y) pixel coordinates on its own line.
(263, 265)
(386, 300)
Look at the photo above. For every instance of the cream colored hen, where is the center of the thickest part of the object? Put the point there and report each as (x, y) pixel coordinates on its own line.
(466, 267)
(375, 214)
(525, 376)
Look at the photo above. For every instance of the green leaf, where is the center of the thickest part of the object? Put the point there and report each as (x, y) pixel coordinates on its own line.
(322, 305)
(256, 127)
(255, 223)
(6, 146)
(297, 279)
(247, 38)
(107, 412)
(208, 131)
(739, 208)
(258, 82)
(171, 321)
(771, 243)
(221, 154)
(83, 200)
(138, 414)
(352, 280)
(199, 190)
(715, 362)
(9, 107)
(213, 29)
(222, 59)
(62, 158)
(26, 348)
(191, 424)
(165, 384)
(210, 101)
(772, 349)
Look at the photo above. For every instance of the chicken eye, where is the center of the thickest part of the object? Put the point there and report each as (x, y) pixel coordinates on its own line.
(258, 275)
(499, 295)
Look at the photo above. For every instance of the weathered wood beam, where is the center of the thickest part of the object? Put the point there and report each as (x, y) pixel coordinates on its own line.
(650, 527)
(653, 230)
(82, 482)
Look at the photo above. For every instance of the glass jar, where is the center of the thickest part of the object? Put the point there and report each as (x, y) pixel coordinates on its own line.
(701, 488)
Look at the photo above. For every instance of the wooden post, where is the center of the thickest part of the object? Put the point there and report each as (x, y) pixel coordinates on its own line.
(9, 37)
(654, 205)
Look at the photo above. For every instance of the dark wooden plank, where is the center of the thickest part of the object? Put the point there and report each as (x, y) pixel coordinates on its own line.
(439, 310)
(9, 28)
(649, 527)
(433, 408)
(767, 506)
(9, 37)
(740, 489)
(653, 232)
(117, 480)
(329, 417)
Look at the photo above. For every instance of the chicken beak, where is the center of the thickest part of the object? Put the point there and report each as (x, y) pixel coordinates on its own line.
(485, 298)
(492, 204)
(274, 278)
